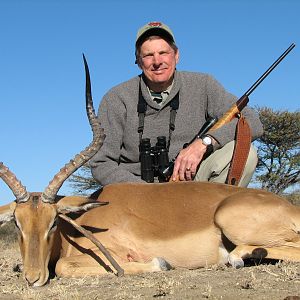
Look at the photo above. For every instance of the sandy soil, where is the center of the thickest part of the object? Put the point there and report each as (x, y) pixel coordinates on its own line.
(279, 280)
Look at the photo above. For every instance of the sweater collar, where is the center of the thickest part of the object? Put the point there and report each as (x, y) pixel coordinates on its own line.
(172, 93)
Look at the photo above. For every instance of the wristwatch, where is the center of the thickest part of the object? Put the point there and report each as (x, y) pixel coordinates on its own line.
(206, 140)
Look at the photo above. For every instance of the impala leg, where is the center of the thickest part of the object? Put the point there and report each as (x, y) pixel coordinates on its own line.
(86, 265)
(155, 265)
(242, 252)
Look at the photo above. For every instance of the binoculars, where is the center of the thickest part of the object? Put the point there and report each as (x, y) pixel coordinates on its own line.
(154, 159)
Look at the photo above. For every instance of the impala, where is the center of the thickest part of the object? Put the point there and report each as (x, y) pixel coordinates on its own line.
(145, 227)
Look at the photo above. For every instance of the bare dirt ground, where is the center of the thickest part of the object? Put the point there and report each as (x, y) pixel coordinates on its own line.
(280, 280)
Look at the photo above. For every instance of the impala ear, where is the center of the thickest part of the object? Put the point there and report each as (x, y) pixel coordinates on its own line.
(7, 212)
(77, 204)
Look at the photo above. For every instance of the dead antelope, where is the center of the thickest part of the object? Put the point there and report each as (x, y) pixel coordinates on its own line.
(147, 227)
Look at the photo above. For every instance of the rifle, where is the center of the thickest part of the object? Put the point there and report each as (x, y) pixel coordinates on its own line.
(234, 111)
(243, 101)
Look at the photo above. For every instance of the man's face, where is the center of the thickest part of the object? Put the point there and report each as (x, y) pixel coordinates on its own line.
(158, 62)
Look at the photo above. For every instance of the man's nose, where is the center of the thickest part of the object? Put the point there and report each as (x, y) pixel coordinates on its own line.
(157, 59)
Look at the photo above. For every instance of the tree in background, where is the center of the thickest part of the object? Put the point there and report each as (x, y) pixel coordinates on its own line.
(82, 182)
(278, 150)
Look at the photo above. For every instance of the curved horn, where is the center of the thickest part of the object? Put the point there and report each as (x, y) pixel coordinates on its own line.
(14, 184)
(81, 158)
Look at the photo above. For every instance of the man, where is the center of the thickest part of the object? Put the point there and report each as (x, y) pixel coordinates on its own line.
(165, 102)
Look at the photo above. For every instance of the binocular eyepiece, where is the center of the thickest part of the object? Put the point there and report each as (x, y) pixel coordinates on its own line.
(154, 160)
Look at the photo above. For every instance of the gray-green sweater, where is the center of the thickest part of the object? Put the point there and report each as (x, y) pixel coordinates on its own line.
(199, 95)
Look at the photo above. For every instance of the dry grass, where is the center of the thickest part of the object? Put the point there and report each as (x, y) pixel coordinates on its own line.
(8, 234)
(258, 282)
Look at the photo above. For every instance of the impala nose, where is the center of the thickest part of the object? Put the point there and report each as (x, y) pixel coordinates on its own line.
(32, 278)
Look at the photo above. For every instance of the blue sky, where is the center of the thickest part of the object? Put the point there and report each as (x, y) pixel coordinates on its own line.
(43, 122)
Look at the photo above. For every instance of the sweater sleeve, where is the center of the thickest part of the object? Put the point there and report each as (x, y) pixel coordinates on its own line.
(105, 165)
(219, 101)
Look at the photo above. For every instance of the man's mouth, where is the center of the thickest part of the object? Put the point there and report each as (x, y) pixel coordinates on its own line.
(159, 71)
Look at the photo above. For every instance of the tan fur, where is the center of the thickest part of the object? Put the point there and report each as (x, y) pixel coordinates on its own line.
(188, 224)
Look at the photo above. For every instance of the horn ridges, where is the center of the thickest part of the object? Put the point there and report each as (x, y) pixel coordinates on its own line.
(14, 184)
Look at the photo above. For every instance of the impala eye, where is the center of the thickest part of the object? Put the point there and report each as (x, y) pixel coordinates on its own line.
(18, 230)
(16, 224)
(54, 225)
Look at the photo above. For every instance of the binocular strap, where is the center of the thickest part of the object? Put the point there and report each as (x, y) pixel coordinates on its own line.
(142, 107)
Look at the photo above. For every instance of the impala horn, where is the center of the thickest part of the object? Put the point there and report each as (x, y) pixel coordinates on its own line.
(80, 159)
(14, 184)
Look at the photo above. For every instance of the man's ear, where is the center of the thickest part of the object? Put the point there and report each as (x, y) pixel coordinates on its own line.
(177, 56)
(7, 212)
(138, 62)
(77, 204)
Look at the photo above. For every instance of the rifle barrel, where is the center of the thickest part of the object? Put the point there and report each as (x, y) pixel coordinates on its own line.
(262, 77)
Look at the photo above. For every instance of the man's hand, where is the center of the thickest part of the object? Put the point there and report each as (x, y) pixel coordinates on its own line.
(188, 160)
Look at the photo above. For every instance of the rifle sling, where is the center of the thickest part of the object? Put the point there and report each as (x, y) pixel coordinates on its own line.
(240, 153)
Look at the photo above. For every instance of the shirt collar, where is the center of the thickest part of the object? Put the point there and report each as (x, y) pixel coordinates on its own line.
(161, 97)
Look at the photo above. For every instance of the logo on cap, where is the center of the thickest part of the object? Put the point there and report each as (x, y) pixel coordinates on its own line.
(154, 24)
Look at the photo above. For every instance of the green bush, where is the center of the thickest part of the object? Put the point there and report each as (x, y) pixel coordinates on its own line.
(294, 198)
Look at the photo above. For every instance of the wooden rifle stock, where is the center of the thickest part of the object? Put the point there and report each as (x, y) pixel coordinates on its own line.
(232, 113)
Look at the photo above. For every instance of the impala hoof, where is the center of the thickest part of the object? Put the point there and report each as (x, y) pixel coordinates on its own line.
(236, 262)
(162, 264)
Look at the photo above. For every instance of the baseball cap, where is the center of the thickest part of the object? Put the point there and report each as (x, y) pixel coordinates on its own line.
(154, 28)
